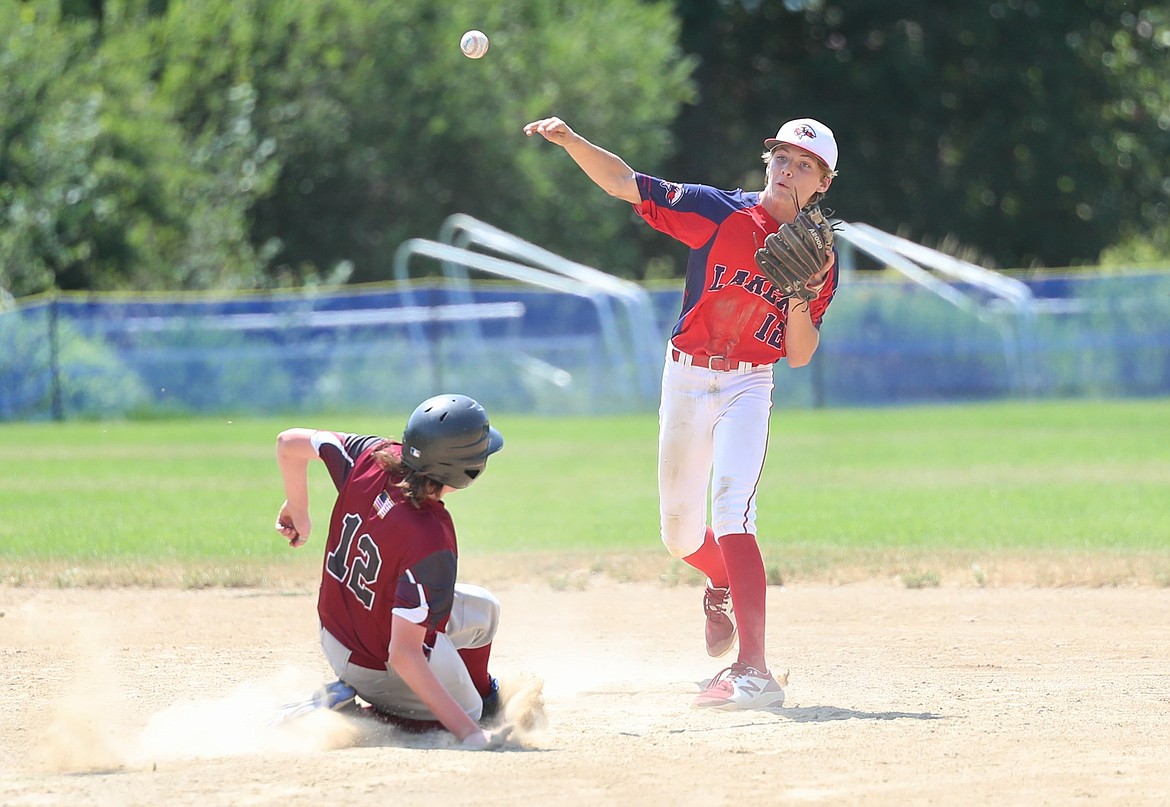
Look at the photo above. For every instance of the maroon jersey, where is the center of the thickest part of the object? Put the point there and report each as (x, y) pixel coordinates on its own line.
(384, 556)
(729, 307)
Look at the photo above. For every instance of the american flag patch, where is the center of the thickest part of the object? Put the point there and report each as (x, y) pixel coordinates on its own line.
(382, 504)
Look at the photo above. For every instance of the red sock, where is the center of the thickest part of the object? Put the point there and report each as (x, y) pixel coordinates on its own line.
(749, 584)
(475, 659)
(708, 559)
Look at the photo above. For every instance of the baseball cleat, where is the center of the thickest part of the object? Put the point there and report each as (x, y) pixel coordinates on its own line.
(720, 628)
(741, 687)
(491, 702)
(334, 696)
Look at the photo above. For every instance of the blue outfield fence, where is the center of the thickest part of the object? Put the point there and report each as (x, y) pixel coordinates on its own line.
(519, 348)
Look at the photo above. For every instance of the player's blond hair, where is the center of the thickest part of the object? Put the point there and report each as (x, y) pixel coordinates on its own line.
(415, 486)
(826, 173)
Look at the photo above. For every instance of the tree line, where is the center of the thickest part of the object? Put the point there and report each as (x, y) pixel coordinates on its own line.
(246, 144)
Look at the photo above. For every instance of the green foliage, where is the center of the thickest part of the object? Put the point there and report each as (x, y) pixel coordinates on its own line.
(1148, 249)
(167, 144)
(382, 128)
(1034, 131)
(1134, 55)
(102, 189)
(192, 145)
(43, 157)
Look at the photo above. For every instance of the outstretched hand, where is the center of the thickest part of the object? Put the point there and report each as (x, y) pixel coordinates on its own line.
(553, 130)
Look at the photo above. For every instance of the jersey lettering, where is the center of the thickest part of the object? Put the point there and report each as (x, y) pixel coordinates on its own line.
(739, 278)
(360, 573)
(717, 280)
(336, 561)
(364, 572)
(774, 336)
(756, 285)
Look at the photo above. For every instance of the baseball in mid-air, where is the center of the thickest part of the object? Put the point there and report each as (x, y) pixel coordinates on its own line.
(474, 44)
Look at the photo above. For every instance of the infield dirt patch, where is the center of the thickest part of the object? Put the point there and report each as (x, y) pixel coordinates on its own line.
(946, 695)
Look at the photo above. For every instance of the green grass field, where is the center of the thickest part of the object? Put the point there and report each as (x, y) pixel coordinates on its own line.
(910, 491)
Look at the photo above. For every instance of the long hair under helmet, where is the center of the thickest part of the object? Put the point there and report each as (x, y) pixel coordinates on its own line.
(449, 439)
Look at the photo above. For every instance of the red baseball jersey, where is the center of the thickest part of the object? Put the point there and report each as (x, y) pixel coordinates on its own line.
(729, 308)
(384, 556)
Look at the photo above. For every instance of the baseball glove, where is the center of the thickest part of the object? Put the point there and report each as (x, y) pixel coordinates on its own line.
(796, 252)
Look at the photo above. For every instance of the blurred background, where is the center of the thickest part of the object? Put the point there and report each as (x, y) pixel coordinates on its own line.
(264, 206)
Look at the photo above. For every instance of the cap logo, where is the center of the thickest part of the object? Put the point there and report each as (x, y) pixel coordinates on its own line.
(804, 130)
(414, 452)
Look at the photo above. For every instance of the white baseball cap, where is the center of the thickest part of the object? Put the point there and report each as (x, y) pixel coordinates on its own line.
(810, 135)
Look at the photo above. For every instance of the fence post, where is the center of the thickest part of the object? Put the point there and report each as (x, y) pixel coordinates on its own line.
(54, 363)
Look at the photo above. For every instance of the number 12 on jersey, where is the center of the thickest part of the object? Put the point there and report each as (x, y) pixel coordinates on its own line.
(359, 572)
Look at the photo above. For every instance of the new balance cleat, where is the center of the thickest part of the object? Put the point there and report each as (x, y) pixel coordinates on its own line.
(334, 696)
(720, 628)
(741, 687)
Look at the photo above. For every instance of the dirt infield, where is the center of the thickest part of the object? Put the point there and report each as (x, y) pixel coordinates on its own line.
(948, 695)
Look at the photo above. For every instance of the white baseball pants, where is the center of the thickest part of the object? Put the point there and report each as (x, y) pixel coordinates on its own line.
(712, 440)
(475, 616)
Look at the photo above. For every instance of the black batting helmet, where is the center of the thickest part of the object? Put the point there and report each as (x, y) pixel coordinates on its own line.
(449, 439)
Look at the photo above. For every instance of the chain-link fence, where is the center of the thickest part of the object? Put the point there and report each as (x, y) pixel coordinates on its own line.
(521, 349)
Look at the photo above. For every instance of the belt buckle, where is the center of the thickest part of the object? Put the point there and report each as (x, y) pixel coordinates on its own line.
(719, 364)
